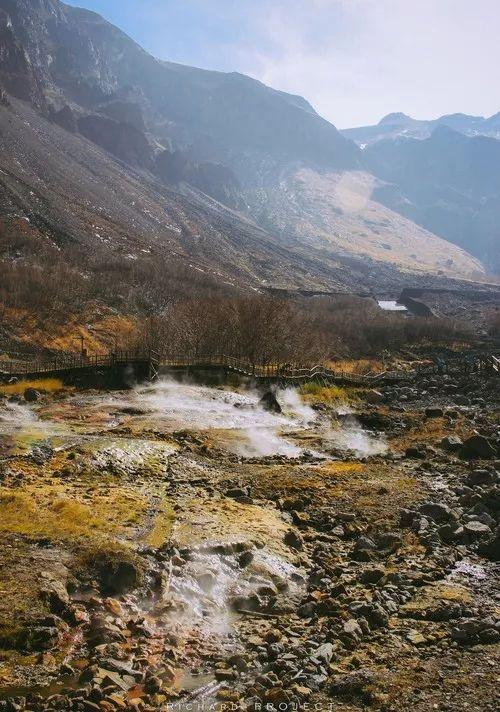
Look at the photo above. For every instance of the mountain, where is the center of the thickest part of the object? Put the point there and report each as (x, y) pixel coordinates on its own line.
(106, 147)
(92, 65)
(399, 124)
(449, 183)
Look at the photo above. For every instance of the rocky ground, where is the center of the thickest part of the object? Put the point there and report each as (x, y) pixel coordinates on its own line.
(145, 566)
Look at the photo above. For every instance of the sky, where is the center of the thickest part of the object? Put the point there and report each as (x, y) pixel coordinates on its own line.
(354, 60)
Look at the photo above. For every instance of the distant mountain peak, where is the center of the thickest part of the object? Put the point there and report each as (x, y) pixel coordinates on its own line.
(397, 118)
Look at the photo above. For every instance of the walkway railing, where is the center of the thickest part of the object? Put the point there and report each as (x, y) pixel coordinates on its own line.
(285, 372)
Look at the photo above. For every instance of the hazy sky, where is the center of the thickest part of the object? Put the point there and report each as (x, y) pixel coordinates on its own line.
(354, 60)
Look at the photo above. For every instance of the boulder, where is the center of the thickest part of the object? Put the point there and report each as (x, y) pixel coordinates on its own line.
(372, 575)
(476, 529)
(31, 395)
(293, 540)
(477, 447)
(434, 412)
(439, 513)
(55, 595)
(491, 547)
(482, 477)
(451, 443)
(270, 403)
(324, 653)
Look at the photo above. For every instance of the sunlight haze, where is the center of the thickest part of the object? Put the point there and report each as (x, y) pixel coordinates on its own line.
(354, 60)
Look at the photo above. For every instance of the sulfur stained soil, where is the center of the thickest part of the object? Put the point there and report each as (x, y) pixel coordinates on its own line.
(146, 563)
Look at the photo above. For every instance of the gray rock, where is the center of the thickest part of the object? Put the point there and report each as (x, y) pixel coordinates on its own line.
(434, 412)
(477, 447)
(451, 443)
(372, 575)
(482, 477)
(439, 513)
(270, 403)
(293, 540)
(476, 529)
(352, 629)
(324, 652)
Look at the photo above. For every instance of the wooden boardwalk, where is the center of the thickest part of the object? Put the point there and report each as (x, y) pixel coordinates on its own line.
(147, 366)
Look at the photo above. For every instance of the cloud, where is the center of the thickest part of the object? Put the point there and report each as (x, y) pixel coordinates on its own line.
(357, 60)
(354, 60)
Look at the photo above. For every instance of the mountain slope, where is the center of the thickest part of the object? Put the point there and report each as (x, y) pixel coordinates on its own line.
(336, 212)
(448, 183)
(178, 150)
(88, 61)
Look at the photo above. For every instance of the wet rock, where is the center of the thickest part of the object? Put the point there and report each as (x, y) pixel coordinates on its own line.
(206, 581)
(293, 540)
(102, 630)
(270, 403)
(245, 559)
(247, 603)
(31, 395)
(116, 574)
(477, 447)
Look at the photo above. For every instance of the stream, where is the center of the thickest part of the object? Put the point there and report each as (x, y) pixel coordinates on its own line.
(224, 559)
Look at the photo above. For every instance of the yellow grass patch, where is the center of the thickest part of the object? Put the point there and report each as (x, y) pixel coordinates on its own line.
(340, 467)
(162, 526)
(49, 385)
(59, 517)
(358, 366)
(316, 393)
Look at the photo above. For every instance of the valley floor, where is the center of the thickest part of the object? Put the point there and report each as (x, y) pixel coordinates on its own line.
(179, 547)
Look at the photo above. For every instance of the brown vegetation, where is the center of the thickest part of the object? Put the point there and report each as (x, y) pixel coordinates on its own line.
(264, 329)
(184, 312)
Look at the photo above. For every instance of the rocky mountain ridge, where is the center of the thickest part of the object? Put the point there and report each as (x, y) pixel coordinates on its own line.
(226, 141)
(400, 124)
(449, 183)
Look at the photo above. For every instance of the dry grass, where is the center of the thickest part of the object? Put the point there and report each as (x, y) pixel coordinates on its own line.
(358, 366)
(316, 393)
(161, 530)
(48, 385)
(52, 514)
